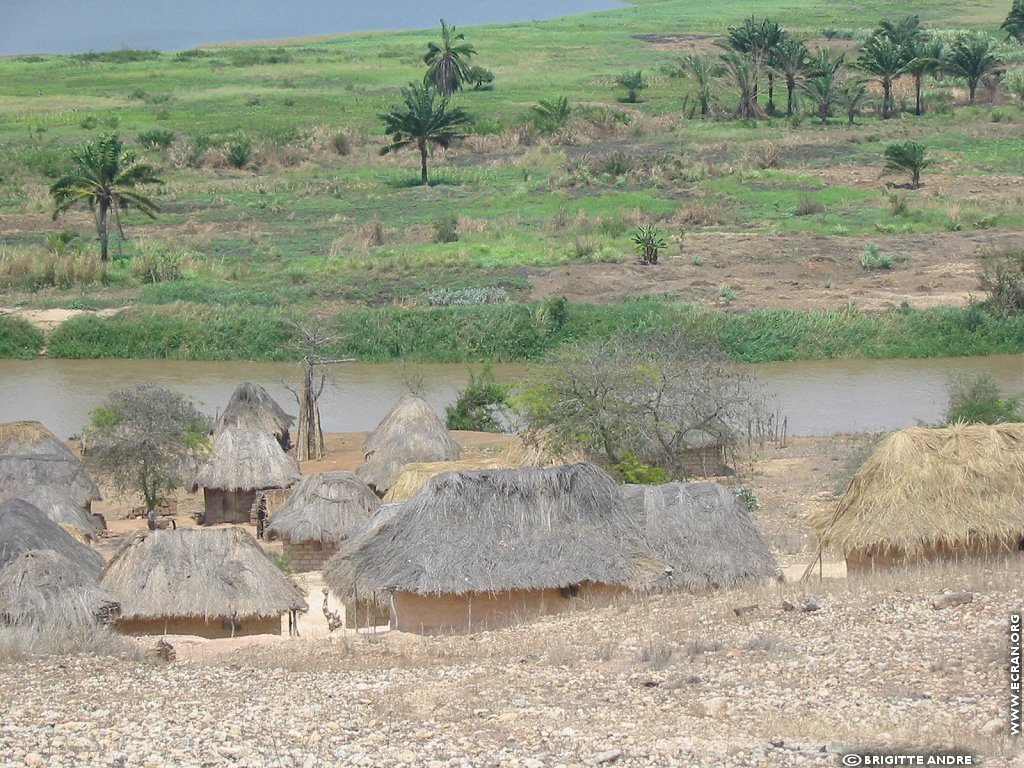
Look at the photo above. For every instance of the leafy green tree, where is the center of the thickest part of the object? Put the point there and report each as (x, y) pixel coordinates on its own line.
(1013, 26)
(105, 177)
(633, 82)
(792, 60)
(977, 399)
(885, 61)
(146, 440)
(448, 63)
(482, 406)
(703, 71)
(972, 57)
(423, 120)
(907, 156)
(481, 78)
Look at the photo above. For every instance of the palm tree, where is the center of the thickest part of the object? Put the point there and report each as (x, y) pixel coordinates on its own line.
(822, 91)
(756, 39)
(1014, 23)
(423, 120)
(925, 59)
(886, 61)
(791, 59)
(908, 156)
(903, 32)
(448, 63)
(742, 71)
(852, 96)
(971, 57)
(105, 178)
(703, 71)
(633, 82)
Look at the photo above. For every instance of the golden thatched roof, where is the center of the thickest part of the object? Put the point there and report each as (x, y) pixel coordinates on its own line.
(932, 487)
(31, 455)
(252, 406)
(535, 449)
(247, 459)
(413, 476)
(326, 506)
(43, 587)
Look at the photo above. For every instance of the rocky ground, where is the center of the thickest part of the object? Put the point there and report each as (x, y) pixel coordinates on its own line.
(676, 680)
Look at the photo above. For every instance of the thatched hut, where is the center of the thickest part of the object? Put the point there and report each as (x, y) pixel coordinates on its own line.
(534, 448)
(414, 476)
(323, 511)
(57, 504)
(31, 455)
(42, 587)
(252, 406)
(243, 462)
(24, 527)
(932, 494)
(479, 549)
(411, 432)
(701, 532)
(211, 583)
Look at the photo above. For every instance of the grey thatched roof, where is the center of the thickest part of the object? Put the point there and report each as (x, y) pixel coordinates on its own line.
(57, 504)
(252, 406)
(495, 530)
(24, 527)
(411, 432)
(700, 531)
(30, 455)
(44, 587)
(247, 459)
(211, 574)
(326, 506)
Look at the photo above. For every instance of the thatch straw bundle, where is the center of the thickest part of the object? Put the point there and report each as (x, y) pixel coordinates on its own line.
(42, 587)
(208, 574)
(57, 504)
(326, 507)
(414, 476)
(701, 532)
(31, 455)
(24, 527)
(494, 530)
(411, 432)
(535, 449)
(246, 459)
(252, 406)
(924, 488)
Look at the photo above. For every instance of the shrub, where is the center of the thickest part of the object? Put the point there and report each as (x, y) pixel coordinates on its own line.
(1001, 277)
(897, 204)
(648, 242)
(239, 152)
(747, 498)
(19, 338)
(807, 207)
(157, 263)
(617, 164)
(873, 257)
(633, 471)
(446, 229)
(482, 406)
(633, 82)
(157, 138)
(977, 399)
(481, 78)
(341, 144)
(765, 155)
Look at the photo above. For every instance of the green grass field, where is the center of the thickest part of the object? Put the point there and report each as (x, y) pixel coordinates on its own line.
(316, 219)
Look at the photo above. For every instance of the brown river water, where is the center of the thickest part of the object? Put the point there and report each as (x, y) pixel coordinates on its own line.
(819, 397)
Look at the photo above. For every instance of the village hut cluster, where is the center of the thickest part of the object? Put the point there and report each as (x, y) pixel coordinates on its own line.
(431, 542)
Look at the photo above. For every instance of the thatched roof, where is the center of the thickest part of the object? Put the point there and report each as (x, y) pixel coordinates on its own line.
(44, 587)
(24, 527)
(326, 506)
(57, 504)
(413, 476)
(411, 432)
(924, 487)
(702, 532)
(209, 574)
(247, 459)
(252, 406)
(31, 455)
(495, 530)
(533, 448)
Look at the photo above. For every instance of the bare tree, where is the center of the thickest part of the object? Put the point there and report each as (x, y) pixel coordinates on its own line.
(146, 440)
(654, 396)
(313, 339)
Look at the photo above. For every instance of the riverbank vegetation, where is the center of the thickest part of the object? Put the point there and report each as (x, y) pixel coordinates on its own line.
(749, 146)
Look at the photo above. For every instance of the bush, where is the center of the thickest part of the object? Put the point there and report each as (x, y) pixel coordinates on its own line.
(446, 229)
(634, 472)
(977, 399)
(873, 257)
(807, 207)
(648, 242)
(341, 144)
(157, 263)
(239, 152)
(1001, 277)
(482, 406)
(19, 338)
(158, 138)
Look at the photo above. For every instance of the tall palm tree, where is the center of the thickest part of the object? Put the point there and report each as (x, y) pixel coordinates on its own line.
(743, 73)
(105, 178)
(425, 120)
(448, 63)
(885, 61)
(852, 96)
(791, 59)
(972, 57)
(925, 59)
(756, 39)
(703, 71)
(903, 31)
(821, 89)
(1013, 26)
